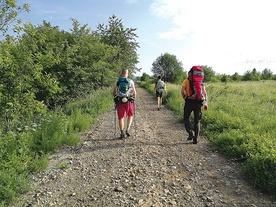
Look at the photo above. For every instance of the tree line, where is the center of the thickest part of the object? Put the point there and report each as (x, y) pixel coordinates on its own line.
(171, 69)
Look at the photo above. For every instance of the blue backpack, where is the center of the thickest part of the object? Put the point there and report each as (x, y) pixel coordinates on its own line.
(123, 85)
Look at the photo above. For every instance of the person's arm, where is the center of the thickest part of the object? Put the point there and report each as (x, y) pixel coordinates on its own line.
(134, 90)
(155, 86)
(205, 102)
(183, 92)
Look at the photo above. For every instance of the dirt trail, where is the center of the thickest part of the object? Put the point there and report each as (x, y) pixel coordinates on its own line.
(156, 166)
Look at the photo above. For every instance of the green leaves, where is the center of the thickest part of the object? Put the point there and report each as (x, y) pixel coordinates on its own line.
(124, 39)
(46, 68)
(169, 68)
(9, 12)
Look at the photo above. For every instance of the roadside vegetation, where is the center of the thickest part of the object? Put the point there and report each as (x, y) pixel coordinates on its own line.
(240, 122)
(55, 83)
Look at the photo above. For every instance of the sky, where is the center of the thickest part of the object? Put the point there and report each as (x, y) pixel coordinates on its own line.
(227, 35)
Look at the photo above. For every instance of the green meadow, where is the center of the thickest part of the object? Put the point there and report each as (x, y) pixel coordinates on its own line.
(241, 123)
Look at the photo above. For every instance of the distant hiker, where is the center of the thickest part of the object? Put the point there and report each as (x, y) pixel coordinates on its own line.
(124, 93)
(159, 88)
(195, 96)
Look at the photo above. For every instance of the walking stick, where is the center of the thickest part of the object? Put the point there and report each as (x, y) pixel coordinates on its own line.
(115, 109)
(134, 117)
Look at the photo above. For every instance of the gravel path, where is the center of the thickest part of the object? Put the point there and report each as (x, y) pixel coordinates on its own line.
(156, 166)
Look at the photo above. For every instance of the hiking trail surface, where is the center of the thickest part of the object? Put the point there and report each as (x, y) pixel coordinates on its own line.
(156, 166)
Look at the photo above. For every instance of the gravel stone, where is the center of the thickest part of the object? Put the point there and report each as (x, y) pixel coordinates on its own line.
(155, 167)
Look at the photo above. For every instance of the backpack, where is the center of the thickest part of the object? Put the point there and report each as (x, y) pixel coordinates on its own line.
(160, 85)
(123, 85)
(196, 77)
(124, 92)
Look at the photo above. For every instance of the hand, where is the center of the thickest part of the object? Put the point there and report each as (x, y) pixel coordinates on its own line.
(205, 107)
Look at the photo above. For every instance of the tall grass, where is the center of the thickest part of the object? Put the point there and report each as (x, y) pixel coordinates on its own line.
(26, 151)
(241, 123)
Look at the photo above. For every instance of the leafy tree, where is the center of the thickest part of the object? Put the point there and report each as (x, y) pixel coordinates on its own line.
(225, 78)
(145, 77)
(72, 64)
(209, 74)
(251, 75)
(116, 35)
(169, 67)
(18, 73)
(236, 77)
(266, 74)
(9, 12)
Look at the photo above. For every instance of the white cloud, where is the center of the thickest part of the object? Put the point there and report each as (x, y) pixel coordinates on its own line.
(237, 33)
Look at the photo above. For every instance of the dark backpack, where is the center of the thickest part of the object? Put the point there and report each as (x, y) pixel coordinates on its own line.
(196, 77)
(125, 92)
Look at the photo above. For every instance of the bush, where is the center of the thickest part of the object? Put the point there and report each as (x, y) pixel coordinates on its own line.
(26, 150)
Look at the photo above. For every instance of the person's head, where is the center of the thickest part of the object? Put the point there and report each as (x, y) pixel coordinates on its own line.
(124, 72)
(159, 77)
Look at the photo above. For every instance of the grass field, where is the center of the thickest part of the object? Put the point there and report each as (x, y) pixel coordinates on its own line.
(241, 122)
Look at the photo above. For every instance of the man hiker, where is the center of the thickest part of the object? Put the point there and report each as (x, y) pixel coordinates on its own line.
(159, 88)
(124, 93)
(195, 96)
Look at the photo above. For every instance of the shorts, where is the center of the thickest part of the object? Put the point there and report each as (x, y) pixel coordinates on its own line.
(158, 94)
(125, 109)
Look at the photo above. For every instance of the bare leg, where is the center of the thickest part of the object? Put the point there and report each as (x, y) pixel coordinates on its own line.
(158, 102)
(129, 121)
(121, 124)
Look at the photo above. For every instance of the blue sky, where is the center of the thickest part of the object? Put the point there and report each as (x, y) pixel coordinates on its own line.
(228, 35)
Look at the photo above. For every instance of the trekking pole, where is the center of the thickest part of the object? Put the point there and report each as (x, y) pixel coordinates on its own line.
(115, 109)
(134, 117)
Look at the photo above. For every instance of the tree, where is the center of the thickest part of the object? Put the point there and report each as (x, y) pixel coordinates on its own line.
(209, 74)
(116, 35)
(251, 75)
(236, 77)
(145, 77)
(266, 74)
(9, 12)
(225, 78)
(169, 67)
(70, 64)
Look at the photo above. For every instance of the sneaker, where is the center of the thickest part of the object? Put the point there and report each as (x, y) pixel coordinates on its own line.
(122, 136)
(127, 133)
(191, 135)
(158, 108)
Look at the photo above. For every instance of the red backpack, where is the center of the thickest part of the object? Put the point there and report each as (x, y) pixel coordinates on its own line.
(196, 77)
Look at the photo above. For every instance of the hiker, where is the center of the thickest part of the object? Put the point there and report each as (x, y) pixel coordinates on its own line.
(124, 93)
(195, 96)
(159, 89)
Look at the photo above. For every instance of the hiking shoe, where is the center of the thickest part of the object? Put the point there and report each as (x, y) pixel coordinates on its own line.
(196, 140)
(127, 133)
(122, 136)
(158, 108)
(191, 135)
